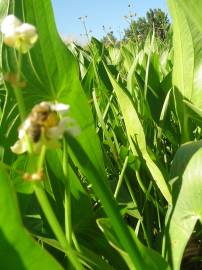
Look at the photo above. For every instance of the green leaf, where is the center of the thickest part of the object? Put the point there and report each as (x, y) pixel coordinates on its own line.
(152, 259)
(187, 40)
(192, 10)
(136, 134)
(87, 256)
(183, 51)
(18, 250)
(187, 194)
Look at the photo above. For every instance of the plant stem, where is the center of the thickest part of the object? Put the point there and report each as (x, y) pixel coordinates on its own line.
(18, 91)
(68, 221)
(55, 226)
(185, 135)
(41, 158)
(76, 244)
(121, 177)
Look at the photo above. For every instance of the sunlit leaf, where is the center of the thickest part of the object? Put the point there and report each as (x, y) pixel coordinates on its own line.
(152, 260)
(18, 250)
(187, 192)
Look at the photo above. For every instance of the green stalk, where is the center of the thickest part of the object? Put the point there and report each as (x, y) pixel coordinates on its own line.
(158, 212)
(136, 205)
(41, 158)
(121, 177)
(55, 226)
(185, 132)
(148, 195)
(18, 91)
(47, 209)
(76, 244)
(68, 221)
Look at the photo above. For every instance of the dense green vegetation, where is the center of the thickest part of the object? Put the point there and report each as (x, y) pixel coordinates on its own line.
(125, 190)
(155, 21)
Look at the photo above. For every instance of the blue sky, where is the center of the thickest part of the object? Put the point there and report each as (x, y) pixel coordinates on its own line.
(109, 13)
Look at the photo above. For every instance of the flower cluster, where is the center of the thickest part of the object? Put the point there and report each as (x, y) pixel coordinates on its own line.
(21, 36)
(45, 125)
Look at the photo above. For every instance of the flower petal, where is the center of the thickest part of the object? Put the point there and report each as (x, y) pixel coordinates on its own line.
(60, 108)
(9, 23)
(73, 131)
(27, 32)
(19, 147)
(66, 124)
(56, 132)
(24, 128)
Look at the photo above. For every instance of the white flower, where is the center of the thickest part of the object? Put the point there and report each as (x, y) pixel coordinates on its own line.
(9, 23)
(45, 125)
(18, 35)
(67, 125)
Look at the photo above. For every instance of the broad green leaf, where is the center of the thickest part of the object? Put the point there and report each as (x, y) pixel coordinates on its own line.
(194, 18)
(192, 10)
(18, 250)
(183, 73)
(187, 193)
(152, 260)
(136, 134)
(187, 40)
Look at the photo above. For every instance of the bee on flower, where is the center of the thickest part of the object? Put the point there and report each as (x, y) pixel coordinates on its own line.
(21, 36)
(45, 125)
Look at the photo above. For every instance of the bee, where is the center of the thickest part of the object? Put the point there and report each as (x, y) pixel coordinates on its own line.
(35, 132)
(41, 118)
